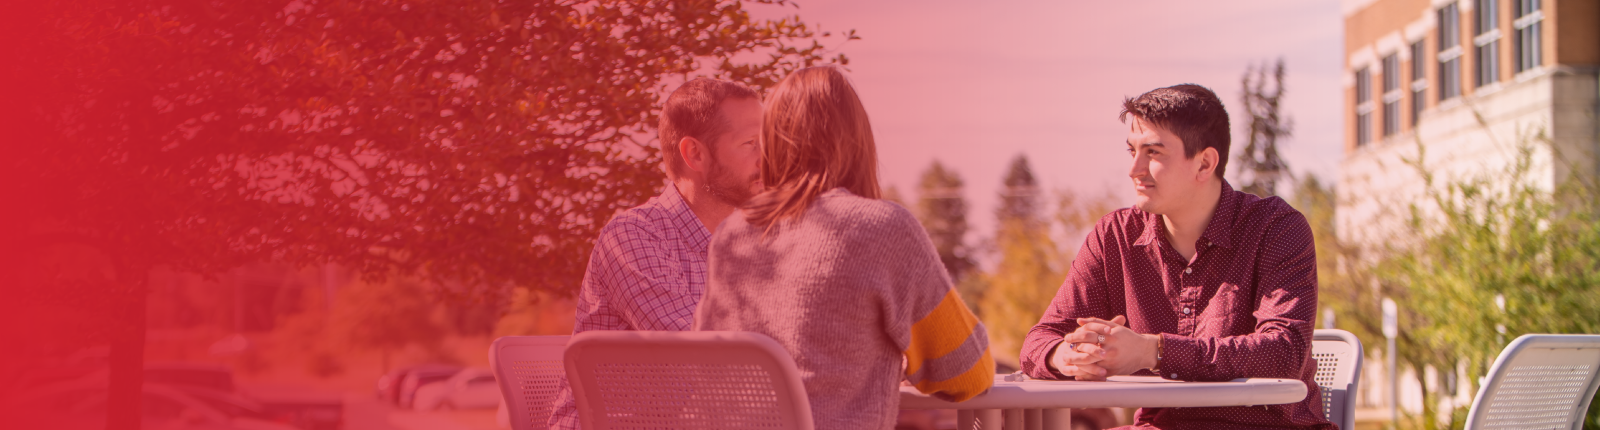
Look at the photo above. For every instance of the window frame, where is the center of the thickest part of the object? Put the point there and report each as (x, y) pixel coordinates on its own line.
(1449, 51)
(1391, 94)
(1486, 42)
(1419, 80)
(1526, 32)
(1364, 106)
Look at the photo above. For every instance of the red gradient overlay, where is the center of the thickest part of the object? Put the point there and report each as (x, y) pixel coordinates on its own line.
(304, 197)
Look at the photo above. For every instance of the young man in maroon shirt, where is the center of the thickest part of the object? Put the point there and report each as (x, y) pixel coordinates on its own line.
(1195, 282)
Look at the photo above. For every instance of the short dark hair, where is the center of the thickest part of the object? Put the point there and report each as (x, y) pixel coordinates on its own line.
(1190, 111)
(695, 110)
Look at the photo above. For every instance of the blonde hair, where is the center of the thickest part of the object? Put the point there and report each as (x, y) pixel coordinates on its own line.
(814, 137)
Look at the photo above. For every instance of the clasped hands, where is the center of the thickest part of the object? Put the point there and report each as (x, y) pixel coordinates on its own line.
(1100, 348)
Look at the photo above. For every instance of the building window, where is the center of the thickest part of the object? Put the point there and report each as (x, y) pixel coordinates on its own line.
(1526, 37)
(1486, 42)
(1419, 80)
(1391, 95)
(1449, 52)
(1363, 107)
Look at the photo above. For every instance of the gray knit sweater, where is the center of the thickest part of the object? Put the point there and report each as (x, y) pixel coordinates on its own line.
(849, 289)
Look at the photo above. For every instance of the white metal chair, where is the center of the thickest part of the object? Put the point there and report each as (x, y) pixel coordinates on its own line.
(1540, 381)
(685, 380)
(1338, 354)
(528, 369)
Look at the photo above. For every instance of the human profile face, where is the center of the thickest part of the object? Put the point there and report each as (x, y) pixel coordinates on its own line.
(734, 173)
(1164, 180)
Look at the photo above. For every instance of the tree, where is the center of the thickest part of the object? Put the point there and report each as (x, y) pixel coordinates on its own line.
(535, 313)
(1502, 256)
(480, 141)
(1261, 165)
(1078, 214)
(943, 212)
(892, 193)
(1496, 256)
(1019, 195)
(1029, 271)
(385, 316)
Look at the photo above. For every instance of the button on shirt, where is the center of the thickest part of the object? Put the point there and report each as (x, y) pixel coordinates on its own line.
(647, 272)
(1243, 307)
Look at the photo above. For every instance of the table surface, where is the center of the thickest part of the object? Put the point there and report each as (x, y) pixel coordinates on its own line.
(1118, 392)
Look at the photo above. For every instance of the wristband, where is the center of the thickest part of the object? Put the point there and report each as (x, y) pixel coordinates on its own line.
(1160, 349)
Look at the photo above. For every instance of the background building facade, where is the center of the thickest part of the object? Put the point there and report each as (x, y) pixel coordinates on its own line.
(1460, 85)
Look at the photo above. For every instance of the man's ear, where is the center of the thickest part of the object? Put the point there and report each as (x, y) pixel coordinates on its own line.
(693, 152)
(1208, 163)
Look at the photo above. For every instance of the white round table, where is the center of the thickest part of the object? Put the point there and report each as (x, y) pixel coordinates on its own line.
(1041, 404)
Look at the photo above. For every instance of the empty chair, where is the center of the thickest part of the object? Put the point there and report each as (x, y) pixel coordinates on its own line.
(1540, 381)
(1338, 354)
(528, 369)
(685, 380)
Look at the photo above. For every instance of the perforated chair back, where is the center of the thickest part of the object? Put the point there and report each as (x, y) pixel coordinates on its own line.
(1338, 354)
(685, 380)
(528, 369)
(1540, 381)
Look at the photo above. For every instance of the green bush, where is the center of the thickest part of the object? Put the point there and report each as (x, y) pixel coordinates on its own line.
(1496, 256)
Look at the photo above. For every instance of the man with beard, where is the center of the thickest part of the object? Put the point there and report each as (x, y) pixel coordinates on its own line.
(648, 268)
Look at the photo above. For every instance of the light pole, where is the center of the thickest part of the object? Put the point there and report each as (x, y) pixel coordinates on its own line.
(1500, 329)
(1391, 329)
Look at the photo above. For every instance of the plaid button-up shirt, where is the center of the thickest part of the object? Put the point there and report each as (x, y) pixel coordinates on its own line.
(1243, 307)
(647, 272)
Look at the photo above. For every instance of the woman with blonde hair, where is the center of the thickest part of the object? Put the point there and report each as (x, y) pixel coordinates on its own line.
(849, 284)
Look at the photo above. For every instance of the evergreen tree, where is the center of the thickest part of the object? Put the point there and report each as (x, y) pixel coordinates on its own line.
(1262, 167)
(1029, 271)
(943, 212)
(1019, 199)
(892, 193)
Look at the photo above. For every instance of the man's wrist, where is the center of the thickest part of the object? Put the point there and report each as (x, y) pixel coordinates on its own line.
(1052, 361)
(1153, 360)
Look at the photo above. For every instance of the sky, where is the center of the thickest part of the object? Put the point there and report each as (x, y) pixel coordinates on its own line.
(973, 84)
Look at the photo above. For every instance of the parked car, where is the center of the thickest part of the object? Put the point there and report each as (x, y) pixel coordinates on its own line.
(389, 384)
(419, 376)
(473, 388)
(388, 389)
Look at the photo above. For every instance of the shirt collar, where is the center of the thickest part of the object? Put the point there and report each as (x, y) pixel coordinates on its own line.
(1219, 231)
(684, 219)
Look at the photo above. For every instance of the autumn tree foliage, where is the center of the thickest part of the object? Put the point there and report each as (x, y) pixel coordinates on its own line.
(1030, 267)
(1034, 249)
(480, 141)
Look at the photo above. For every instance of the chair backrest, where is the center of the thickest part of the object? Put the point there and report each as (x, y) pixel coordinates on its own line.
(1338, 354)
(529, 370)
(685, 380)
(1540, 381)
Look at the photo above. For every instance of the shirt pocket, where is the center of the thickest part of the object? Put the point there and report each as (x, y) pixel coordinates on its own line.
(1225, 312)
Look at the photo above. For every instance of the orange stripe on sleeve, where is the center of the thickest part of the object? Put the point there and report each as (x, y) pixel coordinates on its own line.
(943, 331)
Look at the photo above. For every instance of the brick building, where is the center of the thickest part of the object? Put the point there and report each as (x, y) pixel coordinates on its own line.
(1467, 81)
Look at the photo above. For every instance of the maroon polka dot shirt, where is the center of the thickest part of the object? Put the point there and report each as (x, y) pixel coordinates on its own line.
(1244, 307)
